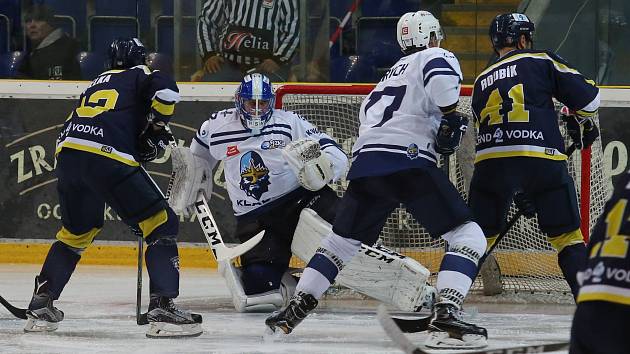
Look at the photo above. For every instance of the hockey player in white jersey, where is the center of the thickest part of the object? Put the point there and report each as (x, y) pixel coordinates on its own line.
(407, 120)
(277, 166)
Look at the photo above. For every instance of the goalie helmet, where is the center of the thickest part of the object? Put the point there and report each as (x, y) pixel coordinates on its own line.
(254, 101)
(506, 29)
(126, 53)
(415, 30)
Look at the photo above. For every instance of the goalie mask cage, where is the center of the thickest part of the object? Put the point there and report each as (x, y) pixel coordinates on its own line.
(527, 261)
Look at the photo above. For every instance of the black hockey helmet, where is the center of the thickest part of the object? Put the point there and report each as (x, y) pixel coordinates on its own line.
(506, 29)
(126, 53)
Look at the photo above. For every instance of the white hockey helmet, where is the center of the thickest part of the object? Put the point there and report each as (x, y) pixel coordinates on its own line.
(414, 30)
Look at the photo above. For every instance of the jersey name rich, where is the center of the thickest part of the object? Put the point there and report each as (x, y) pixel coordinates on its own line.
(509, 71)
(395, 71)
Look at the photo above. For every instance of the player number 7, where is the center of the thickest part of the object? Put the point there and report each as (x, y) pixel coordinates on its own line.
(398, 92)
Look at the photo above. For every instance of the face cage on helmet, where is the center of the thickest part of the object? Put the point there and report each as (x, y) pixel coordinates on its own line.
(254, 122)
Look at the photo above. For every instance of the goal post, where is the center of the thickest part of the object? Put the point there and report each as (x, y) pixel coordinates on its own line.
(527, 260)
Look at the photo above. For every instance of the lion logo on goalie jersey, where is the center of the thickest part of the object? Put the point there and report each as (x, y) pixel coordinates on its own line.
(254, 175)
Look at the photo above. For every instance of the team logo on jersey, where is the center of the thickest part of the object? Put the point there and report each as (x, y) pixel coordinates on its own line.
(254, 175)
(412, 151)
(272, 144)
(232, 150)
(267, 4)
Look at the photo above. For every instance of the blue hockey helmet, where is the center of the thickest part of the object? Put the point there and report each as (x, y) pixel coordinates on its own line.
(254, 101)
(506, 29)
(126, 53)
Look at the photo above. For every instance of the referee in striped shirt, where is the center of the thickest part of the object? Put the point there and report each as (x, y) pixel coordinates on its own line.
(237, 36)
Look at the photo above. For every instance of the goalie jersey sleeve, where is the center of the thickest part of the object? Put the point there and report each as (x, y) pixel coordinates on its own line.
(607, 275)
(400, 117)
(256, 174)
(113, 111)
(513, 106)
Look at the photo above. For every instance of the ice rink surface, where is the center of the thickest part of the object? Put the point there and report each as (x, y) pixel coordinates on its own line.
(99, 306)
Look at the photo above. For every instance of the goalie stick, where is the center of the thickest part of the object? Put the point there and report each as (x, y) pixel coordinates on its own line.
(398, 337)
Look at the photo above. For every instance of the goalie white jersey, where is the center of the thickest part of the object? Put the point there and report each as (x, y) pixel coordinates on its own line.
(400, 117)
(256, 173)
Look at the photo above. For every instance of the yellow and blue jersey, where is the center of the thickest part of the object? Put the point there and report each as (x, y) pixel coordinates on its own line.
(113, 110)
(513, 106)
(607, 275)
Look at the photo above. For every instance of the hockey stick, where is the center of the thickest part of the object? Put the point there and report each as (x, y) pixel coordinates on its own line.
(139, 319)
(211, 232)
(398, 337)
(570, 150)
(15, 311)
(488, 265)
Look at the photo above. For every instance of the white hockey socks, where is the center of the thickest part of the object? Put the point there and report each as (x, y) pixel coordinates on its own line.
(466, 245)
(328, 261)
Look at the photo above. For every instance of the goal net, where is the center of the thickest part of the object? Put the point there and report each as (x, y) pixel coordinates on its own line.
(527, 261)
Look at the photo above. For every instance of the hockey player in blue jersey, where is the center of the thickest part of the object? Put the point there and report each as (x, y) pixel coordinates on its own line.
(519, 148)
(406, 121)
(99, 151)
(600, 323)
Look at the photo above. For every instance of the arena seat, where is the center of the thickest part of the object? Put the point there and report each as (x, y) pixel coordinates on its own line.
(9, 63)
(103, 29)
(376, 38)
(91, 64)
(75, 9)
(160, 61)
(188, 8)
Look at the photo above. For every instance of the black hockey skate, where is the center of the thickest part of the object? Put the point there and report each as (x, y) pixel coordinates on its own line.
(291, 315)
(448, 331)
(42, 315)
(169, 321)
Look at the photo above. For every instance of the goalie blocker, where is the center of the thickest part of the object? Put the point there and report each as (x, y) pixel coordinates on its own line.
(375, 271)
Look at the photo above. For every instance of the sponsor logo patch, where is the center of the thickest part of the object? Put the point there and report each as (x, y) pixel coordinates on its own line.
(232, 150)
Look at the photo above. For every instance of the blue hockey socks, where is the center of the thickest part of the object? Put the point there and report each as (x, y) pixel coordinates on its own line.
(58, 267)
(162, 259)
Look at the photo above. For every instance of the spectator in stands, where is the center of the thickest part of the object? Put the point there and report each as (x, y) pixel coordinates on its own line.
(241, 36)
(53, 54)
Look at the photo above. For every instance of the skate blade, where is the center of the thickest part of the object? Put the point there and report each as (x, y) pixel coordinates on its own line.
(36, 325)
(442, 340)
(170, 330)
(271, 336)
(280, 328)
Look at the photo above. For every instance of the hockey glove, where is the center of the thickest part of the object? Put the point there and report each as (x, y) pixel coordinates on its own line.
(450, 133)
(583, 132)
(524, 205)
(152, 141)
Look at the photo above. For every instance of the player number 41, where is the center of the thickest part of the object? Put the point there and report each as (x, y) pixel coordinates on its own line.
(495, 104)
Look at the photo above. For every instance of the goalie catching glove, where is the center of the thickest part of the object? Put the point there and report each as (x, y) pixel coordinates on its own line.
(450, 133)
(154, 139)
(191, 175)
(312, 168)
(583, 131)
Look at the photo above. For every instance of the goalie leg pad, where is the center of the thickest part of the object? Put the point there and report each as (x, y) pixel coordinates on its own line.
(269, 300)
(190, 174)
(376, 271)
